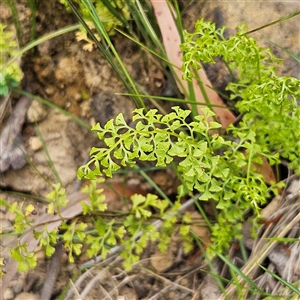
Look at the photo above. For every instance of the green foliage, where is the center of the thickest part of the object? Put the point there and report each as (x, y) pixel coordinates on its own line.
(22, 223)
(269, 103)
(104, 238)
(24, 258)
(47, 239)
(58, 199)
(22, 219)
(10, 74)
(96, 198)
(99, 231)
(220, 167)
(73, 231)
(229, 179)
(24, 215)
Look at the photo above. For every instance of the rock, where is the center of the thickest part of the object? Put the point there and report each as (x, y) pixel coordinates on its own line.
(106, 105)
(18, 284)
(209, 288)
(294, 187)
(66, 69)
(40, 254)
(67, 146)
(8, 294)
(5, 12)
(162, 261)
(5, 224)
(12, 149)
(127, 292)
(35, 143)
(36, 112)
(27, 296)
(198, 227)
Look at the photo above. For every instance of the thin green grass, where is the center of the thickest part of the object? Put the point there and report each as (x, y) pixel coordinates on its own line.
(152, 44)
(235, 271)
(48, 158)
(156, 187)
(159, 53)
(176, 100)
(293, 55)
(42, 39)
(115, 12)
(275, 22)
(33, 8)
(151, 35)
(151, 38)
(29, 161)
(51, 105)
(26, 196)
(16, 20)
(284, 282)
(32, 4)
(213, 271)
(107, 49)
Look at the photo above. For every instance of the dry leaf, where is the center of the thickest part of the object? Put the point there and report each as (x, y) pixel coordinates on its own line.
(171, 41)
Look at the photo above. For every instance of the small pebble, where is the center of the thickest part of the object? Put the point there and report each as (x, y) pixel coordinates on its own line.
(36, 112)
(50, 91)
(17, 285)
(169, 90)
(35, 143)
(27, 296)
(8, 294)
(40, 255)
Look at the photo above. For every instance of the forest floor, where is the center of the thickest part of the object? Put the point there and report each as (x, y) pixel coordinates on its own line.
(83, 84)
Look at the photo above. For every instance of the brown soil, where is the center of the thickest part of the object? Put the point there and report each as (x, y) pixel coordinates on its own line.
(83, 84)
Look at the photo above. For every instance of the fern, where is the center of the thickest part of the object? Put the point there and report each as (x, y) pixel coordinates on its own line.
(218, 167)
(269, 103)
(229, 179)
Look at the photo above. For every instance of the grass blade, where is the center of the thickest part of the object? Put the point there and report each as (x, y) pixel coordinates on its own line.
(49, 160)
(275, 22)
(107, 49)
(49, 104)
(297, 58)
(43, 39)
(287, 284)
